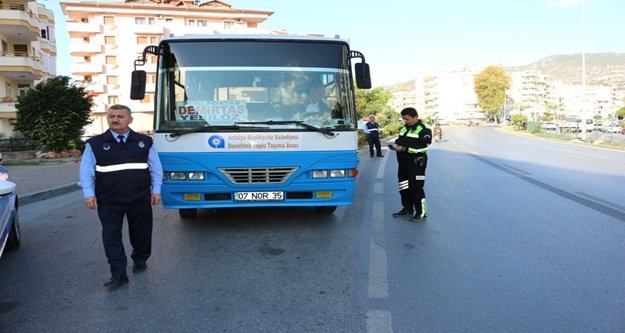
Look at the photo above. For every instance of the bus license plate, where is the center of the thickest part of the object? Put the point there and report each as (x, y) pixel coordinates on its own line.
(259, 196)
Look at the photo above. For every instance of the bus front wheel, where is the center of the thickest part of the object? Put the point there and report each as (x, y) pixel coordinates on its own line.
(325, 209)
(187, 213)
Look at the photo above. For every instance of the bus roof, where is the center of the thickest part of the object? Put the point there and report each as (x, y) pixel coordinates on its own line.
(255, 37)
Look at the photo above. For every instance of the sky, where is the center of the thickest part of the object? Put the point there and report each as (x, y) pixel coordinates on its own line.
(403, 39)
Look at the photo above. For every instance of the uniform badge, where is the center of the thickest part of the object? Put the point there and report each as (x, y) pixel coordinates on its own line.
(106, 146)
(141, 144)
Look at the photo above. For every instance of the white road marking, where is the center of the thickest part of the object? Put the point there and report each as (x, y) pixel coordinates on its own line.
(379, 322)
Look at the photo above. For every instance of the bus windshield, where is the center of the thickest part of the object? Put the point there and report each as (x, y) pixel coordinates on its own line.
(254, 86)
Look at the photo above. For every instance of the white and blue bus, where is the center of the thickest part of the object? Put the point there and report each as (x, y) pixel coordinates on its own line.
(233, 125)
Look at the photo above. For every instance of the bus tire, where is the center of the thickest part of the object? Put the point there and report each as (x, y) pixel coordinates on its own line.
(325, 209)
(187, 213)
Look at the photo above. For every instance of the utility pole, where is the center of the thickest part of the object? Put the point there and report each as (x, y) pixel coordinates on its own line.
(583, 123)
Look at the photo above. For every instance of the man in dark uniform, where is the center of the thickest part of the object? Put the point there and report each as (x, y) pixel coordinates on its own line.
(373, 136)
(412, 143)
(121, 175)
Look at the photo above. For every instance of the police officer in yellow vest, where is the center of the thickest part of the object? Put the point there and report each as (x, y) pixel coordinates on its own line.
(411, 148)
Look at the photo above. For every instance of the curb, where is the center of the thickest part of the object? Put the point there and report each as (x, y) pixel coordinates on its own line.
(47, 194)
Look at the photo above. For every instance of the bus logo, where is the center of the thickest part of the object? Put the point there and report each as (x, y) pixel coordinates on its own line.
(216, 141)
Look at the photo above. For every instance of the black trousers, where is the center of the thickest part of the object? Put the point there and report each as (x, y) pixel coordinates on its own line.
(374, 141)
(411, 176)
(139, 231)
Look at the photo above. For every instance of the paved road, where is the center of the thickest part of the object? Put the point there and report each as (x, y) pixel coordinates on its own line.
(44, 181)
(523, 235)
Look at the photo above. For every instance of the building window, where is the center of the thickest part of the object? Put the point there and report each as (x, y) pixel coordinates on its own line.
(109, 40)
(113, 100)
(84, 20)
(111, 60)
(154, 40)
(139, 20)
(86, 59)
(151, 78)
(86, 78)
(151, 21)
(153, 59)
(147, 99)
(228, 24)
(202, 23)
(142, 40)
(109, 20)
(111, 79)
(191, 23)
(22, 89)
(169, 20)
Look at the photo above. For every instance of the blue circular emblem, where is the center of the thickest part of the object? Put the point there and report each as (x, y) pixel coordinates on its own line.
(216, 141)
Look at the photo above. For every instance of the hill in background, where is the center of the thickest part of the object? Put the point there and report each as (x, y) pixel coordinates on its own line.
(607, 69)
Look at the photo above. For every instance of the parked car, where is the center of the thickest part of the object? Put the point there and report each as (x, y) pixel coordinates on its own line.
(612, 128)
(549, 126)
(10, 237)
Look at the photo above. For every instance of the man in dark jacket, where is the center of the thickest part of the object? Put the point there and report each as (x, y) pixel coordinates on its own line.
(411, 148)
(373, 136)
(121, 175)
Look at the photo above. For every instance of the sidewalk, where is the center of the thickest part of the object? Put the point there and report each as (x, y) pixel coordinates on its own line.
(44, 181)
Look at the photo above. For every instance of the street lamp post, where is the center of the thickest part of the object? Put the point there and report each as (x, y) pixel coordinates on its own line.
(583, 123)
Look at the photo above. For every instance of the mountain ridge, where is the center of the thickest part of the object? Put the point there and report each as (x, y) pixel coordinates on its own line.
(604, 69)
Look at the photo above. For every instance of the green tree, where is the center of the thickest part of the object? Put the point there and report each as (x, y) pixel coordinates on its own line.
(54, 113)
(620, 113)
(373, 102)
(490, 85)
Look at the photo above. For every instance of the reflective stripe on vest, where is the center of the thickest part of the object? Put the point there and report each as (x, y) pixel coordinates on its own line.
(119, 167)
(420, 150)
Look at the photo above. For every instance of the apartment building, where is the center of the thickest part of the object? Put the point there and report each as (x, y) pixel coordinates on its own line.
(27, 54)
(106, 38)
(449, 97)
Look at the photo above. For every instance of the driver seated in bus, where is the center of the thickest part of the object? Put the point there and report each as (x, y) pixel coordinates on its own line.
(316, 110)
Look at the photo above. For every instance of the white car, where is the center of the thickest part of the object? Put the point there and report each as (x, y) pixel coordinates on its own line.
(549, 126)
(612, 128)
(10, 237)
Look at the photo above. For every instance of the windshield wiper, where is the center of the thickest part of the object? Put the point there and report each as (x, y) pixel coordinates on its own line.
(175, 134)
(325, 130)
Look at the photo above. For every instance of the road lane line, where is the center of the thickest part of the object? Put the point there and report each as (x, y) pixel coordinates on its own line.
(377, 223)
(378, 266)
(382, 167)
(378, 188)
(379, 322)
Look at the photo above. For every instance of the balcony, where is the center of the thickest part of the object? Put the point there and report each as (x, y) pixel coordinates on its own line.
(80, 29)
(93, 87)
(18, 23)
(7, 105)
(47, 46)
(18, 66)
(85, 49)
(86, 68)
(146, 29)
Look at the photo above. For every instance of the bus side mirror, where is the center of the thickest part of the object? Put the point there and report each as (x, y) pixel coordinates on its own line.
(137, 85)
(363, 77)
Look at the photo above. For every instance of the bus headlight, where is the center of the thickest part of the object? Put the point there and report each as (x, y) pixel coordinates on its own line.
(337, 173)
(195, 175)
(320, 173)
(176, 175)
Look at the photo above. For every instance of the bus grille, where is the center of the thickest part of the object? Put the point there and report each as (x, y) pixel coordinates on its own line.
(258, 175)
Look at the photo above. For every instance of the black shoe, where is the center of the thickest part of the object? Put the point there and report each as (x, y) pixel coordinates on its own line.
(371, 156)
(403, 213)
(380, 155)
(139, 267)
(417, 218)
(116, 282)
